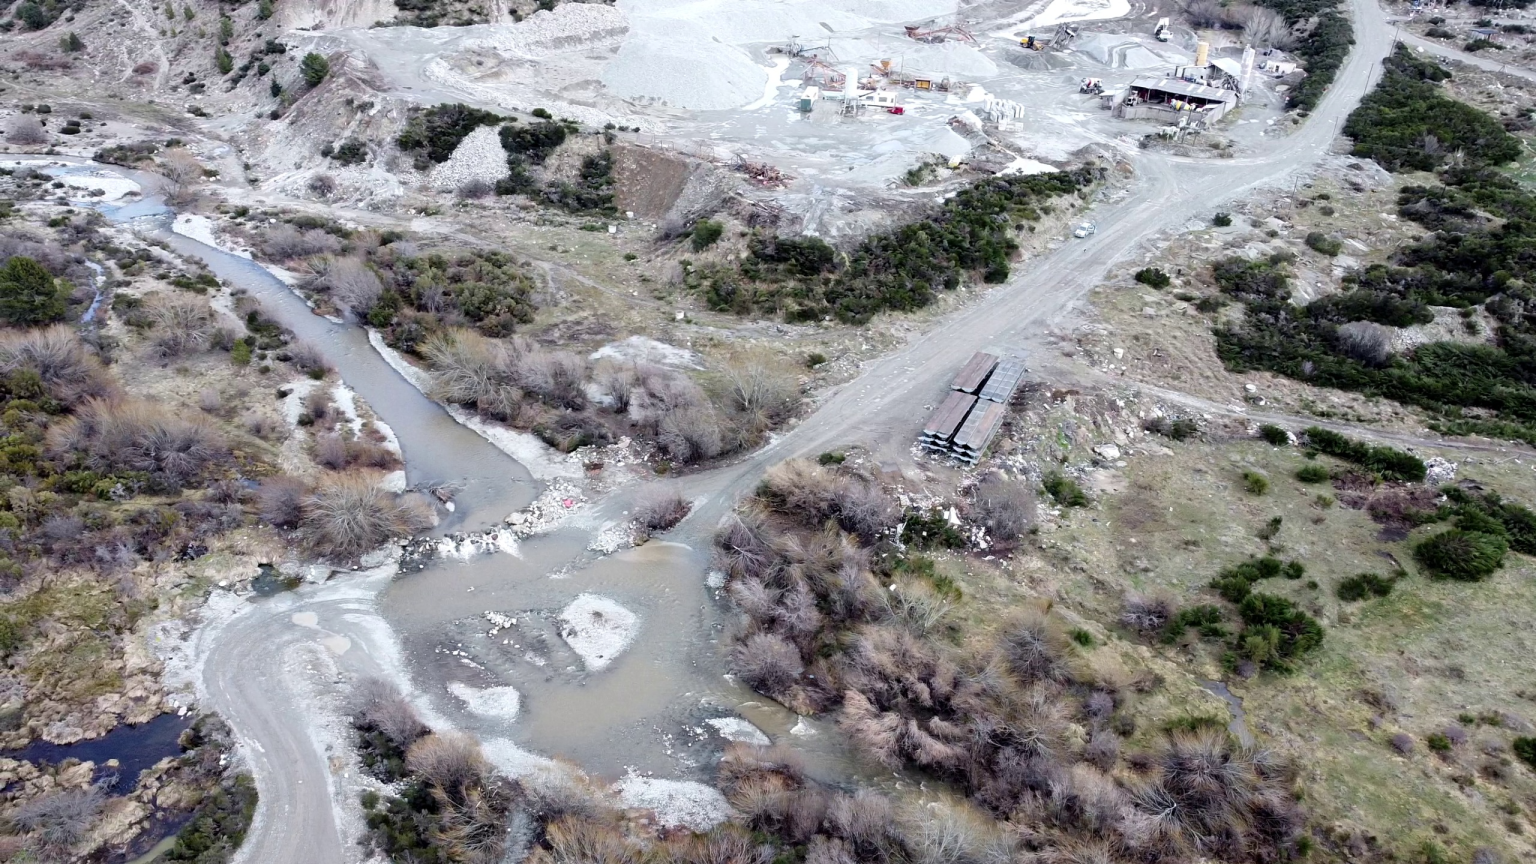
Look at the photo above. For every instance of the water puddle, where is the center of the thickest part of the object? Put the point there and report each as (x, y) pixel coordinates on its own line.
(269, 582)
(1239, 725)
(134, 747)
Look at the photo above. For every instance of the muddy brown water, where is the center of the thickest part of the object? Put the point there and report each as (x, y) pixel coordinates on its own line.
(646, 710)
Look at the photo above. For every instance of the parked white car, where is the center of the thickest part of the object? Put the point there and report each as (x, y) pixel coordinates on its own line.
(1086, 229)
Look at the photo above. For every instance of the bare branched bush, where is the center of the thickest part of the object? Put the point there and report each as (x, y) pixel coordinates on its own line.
(349, 282)
(761, 386)
(616, 382)
(284, 242)
(1145, 614)
(378, 704)
(451, 761)
(475, 189)
(468, 369)
(127, 435)
(1366, 341)
(322, 185)
(265, 427)
(181, 323)
(1005, 508)
(307, 359)
(916, 604)
(724, 844)
(690, 435)
(67, 370)
(339, 453)
(560, 792)
(767, 664)
(182, 172)
(812, 495)
(349, 514)
(659, 508)
(580, 841)
(25, 130)
(1103, 750)
(1206, 13)
(209, 402)
(60, 819)
(1262, 28)
(1035, 647)
(954, 833)
(280, 500)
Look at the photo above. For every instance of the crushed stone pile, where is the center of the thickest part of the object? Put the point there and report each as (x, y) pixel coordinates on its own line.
(478, 157)
(677, 63)
(567, 26)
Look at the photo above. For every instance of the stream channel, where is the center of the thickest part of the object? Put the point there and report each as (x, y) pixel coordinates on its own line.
(646, 710)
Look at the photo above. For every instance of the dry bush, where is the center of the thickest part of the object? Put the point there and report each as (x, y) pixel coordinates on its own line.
(181, 171)
(767, 664)
(954, 833)
(1366, 341)
(1206, 13)
(110, 435)
(616, 382)
(671, 408)
(451, 761)
(1035, 647)
(1103, 750)
(68, 371)
(867, 820)
(41, 62)
(1146, 614)
(378, 704)
(915, 603)
(469, 369)
(582, 841)
(318, 407)
(474, 189)
(60, 819)
(147, 67)
(811, 494)
(1262, 28)
(182, 325)
(209, 402)
(26, 131)
(562, 791)
(659, 508)
(322, 185)
(307, 358)
(761, 386)
(723, 844)
(557, 378)
(284, 242)
(690, 435)
(265, 427)
(1005, 508)
(349, 282)
(338, 453)
(348, 514)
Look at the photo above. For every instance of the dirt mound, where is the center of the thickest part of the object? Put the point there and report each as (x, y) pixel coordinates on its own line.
(665, 187)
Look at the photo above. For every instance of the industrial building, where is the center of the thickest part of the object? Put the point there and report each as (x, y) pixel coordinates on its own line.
(971, 415)
(1197, 95)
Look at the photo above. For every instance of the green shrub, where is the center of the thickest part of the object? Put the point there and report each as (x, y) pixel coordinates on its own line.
(1363, 585)
(1081, 637)
(1321, 243)
(1276, 624)
(1467, 556)
(1524, 747)
(1179, 430)
(29, 295)
(1407, 106)
(814, 359)
(930, 529)
(705, 233)
(1204, 618)
(314, 68)
(533, 142)
(1153, 277)
(432, 134)
(1235, 583)
(1255, 483)
(1221, 220)
(1313, 474)
(1064, 490)
(1274, 435)
(240, 353)
(831, 458)
(1390, 464)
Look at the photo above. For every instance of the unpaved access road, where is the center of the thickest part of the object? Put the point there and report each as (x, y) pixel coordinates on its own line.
(250, 675)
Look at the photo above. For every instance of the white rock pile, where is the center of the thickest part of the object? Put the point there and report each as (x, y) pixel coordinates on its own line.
(478, 157)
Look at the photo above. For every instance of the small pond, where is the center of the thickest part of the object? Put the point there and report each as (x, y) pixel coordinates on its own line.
(134, 747)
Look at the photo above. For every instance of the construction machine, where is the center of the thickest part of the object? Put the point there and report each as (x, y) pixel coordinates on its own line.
(1063, 37)
(939, 35)
(1092, 86)
(1163, 30)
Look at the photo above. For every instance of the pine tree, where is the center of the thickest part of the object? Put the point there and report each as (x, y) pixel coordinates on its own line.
(314, 68)
(29, 295)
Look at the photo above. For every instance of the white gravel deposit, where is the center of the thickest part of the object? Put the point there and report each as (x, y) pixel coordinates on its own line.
(501, 703)
(737, 729)
(597, 629)
(478, 157)
(676, 803)
(566, 27)
(641, 349)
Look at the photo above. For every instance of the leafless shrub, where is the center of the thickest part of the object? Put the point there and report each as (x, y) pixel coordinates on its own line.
(450, 761)
(26, 131)
(43, 62)
(474, 189)
(147, 67)
(616, 381)
(209, 402)
(182, 325)
(378, 704)
(280, 501)
(555, 794)
(659, 508)
(322, 185)
(1262, 28)
(1206, 13)
(916, 604)
(116, 435)
(724, 844)
(767, 664)
(954, 833)
(580, 841)
(760, 385)
(743, 547)
(1005, 508)
(338, 453)
(181, 171)
(1146, 614)
(812, 495)
(350, 282)
(866, 819)
(349, 514)
(60, 819)
(1366, 341)
(283, 242)
(318, 406)
(1103, 750)
(1402, 742)
(307, 358)
(690, 435)
(829, 850)
(676, 412)
(1456, 735)
(557, 378)
(468, 369)
(1484, 855)
(1035, 647)
(265, 427)
(69, 372)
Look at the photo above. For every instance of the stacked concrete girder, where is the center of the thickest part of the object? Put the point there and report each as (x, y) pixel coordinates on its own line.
(970, 416)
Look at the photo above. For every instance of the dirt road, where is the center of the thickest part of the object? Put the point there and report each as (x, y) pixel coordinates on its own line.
(249, 670)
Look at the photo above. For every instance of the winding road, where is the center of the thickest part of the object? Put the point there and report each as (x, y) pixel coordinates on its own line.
(253, 668)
